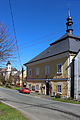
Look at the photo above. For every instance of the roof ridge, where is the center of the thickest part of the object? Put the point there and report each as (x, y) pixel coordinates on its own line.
(66, 35)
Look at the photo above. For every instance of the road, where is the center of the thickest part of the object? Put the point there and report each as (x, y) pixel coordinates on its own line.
(39, 108)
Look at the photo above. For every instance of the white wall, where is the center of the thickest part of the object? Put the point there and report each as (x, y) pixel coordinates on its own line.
(14, 72)
(77, 76)
(69, 74)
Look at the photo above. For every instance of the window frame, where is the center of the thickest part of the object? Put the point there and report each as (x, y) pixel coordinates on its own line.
(47, 69)
(61, 68)
(60, 92)
(38, 87)
(30, 86)
(37, 69)
(30, 71)
(33, 86)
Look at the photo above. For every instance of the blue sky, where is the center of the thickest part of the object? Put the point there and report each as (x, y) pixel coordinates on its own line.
(38, 23)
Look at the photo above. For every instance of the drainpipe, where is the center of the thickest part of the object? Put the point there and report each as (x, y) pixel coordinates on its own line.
(22, 76)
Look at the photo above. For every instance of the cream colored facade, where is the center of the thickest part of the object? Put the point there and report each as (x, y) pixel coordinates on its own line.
(53, 69)
(55, 79)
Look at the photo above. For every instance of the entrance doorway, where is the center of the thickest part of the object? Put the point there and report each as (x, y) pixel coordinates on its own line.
(47, 88)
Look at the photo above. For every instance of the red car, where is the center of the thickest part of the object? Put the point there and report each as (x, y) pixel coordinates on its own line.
(18, 84)
(25, 90)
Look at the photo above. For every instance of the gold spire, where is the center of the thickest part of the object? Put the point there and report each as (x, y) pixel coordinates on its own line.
(68, 12)
(69, 23)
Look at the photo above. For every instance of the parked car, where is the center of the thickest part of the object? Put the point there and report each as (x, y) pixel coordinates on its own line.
(25, 90)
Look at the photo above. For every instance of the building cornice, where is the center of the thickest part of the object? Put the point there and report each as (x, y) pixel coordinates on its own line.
(44, 79)
(49, 58)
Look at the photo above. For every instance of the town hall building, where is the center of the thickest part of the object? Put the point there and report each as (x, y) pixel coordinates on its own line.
(52, 71)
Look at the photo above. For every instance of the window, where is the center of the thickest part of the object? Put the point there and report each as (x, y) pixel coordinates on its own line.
(33, 88)
(59, 88)
(37, 87)
(30, 72)
(47, 69)
(30, 86)
(37, 71)
(59, 68)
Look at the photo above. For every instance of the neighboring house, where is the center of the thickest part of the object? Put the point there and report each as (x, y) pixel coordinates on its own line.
(75, 83)
(50, 71)
(8, 71)
(18, 77)
(24, 78)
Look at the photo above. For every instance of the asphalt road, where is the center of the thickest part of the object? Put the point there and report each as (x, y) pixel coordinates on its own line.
(39, 108)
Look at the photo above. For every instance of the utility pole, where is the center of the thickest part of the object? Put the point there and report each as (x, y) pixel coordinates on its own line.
(26, 75)
(22, 76)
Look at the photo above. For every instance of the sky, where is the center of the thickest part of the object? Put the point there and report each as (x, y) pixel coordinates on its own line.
(38, 23)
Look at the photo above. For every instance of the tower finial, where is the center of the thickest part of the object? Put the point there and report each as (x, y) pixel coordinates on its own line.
(68, 12)
(69, 23)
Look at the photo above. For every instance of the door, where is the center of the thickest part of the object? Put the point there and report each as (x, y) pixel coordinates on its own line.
(47, 88)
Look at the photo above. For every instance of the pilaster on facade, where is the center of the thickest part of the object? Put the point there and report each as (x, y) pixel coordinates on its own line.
(69, 74)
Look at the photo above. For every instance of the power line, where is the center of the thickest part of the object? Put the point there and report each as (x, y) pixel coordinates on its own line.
(38, 42)
(34, 44)
(15, 32)
(45, 36)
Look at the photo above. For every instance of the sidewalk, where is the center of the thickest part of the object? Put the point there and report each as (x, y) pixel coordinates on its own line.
(41, 96)
(45, 96)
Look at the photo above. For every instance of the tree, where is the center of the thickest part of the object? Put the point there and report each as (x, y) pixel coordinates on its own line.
(7, 43)
(2, 79)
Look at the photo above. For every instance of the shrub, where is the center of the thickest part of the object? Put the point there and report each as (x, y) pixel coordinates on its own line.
(8, 85)
(58, 95)
(1, 84)
(69, 98)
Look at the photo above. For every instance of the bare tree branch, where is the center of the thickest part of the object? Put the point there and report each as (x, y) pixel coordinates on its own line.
(7, 44)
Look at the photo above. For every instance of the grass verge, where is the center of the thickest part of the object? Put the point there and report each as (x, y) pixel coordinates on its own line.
(66, 100)
(14, 88)
(8, 113)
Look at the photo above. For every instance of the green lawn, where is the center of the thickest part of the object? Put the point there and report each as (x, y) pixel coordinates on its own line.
(66, 100)
(8, 113)
(14, 88)
(17, 88)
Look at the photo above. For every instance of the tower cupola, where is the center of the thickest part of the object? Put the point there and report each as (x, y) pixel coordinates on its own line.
(8, 66)
(69, 23)
(8, 63)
